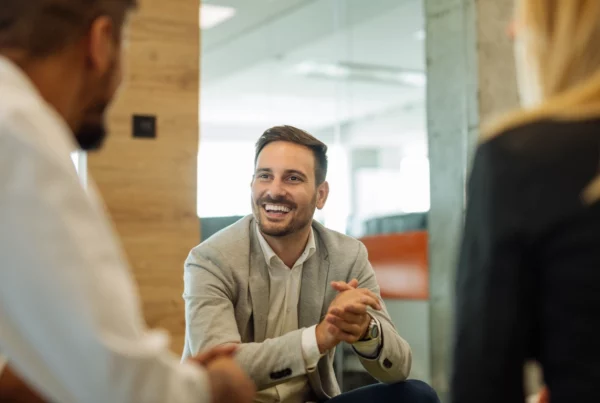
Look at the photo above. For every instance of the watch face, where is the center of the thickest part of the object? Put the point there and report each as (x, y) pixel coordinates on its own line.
(374, 331)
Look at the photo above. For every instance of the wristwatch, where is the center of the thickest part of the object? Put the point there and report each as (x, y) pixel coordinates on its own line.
(372, 331)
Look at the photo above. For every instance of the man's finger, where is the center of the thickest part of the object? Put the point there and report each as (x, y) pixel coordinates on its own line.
(370, 301)
(341, 286)
(357, 309)
(341, 335)
(350, 328)
(370, 293)
(349, 317)
(213, 353)
(224, 349)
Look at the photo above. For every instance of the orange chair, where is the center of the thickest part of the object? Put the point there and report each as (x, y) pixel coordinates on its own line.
(401, 264)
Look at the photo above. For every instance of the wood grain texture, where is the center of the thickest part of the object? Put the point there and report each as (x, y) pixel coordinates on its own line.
(149, 185)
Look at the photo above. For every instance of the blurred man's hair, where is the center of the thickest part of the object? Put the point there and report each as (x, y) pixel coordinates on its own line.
(42, 27)
(297, 136)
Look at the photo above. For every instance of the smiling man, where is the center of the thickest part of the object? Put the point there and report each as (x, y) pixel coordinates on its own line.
(287, 290)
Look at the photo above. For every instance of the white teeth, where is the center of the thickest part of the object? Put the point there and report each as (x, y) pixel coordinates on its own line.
(276, 207)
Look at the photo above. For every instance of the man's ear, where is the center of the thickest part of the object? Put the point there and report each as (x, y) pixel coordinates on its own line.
(322, 194)
(102, 45)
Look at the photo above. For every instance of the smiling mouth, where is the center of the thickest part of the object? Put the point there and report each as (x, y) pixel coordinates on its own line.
(276, 210)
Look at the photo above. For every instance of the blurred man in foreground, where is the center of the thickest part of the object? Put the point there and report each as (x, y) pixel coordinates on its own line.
(70, 320)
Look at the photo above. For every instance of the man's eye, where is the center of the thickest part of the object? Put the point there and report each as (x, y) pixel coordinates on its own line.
(295, 179)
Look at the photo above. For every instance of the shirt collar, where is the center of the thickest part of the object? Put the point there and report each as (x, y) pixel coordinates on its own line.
(271, 256)
(13, 79)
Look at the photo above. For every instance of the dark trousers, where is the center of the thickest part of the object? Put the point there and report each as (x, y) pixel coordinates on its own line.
(411, 391)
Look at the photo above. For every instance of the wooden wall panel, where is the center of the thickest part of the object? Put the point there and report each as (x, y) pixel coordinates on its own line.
(149, 185)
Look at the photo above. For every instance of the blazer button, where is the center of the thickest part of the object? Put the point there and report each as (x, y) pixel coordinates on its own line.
(387, 363)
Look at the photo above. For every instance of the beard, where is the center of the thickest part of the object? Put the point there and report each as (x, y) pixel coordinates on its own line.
(277, 232)
(91, 135)
(303, 217)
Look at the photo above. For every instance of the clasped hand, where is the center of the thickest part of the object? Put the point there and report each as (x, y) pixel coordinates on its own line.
(228, 382)
(347, 318)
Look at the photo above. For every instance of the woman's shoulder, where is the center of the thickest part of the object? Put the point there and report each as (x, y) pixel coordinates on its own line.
(545, 141)
(541, 159)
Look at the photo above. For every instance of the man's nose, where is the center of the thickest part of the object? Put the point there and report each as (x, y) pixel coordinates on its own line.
(277, 189)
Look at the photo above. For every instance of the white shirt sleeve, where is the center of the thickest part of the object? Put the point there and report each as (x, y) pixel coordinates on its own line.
(310, 348)
(370, 348)
(70, 317)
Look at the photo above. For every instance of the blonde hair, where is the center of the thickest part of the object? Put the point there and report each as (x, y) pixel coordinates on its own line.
(562, 41)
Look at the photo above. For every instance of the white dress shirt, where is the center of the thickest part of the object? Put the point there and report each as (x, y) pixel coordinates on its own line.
(70, 317)
(282, 318)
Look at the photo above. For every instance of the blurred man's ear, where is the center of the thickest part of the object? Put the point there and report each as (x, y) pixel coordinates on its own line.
(322, 194)
(102, 45)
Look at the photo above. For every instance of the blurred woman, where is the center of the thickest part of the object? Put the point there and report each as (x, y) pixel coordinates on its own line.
(528, 280)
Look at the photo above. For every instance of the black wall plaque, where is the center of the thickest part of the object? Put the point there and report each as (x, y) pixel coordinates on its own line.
(144, 126)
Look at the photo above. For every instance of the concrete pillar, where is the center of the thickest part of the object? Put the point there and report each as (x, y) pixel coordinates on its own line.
(471, 77)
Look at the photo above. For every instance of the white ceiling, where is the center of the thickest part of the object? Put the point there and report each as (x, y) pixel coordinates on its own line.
(249, 83)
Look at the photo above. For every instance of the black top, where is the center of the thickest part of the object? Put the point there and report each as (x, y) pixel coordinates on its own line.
(528, 280)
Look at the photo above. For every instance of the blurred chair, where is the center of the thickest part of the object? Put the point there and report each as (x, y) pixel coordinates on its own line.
(400, 262)
(211, 225)
(395, 224)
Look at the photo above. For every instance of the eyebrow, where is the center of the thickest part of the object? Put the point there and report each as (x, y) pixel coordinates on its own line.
(286, 172)
(295, 172)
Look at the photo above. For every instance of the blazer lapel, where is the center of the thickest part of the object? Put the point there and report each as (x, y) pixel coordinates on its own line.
(260, 285)
(313, 287)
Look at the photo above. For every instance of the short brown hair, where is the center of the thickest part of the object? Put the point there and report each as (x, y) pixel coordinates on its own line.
(297, 136)
(41, 27)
